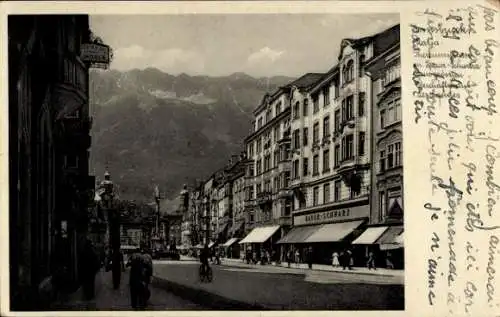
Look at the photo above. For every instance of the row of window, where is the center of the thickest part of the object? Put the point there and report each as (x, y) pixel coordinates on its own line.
(269, 115)
(390, 157)
(347, 107)
(327, 197)
(264, 142)
(343, 151)
(279, 155)
(278, 182)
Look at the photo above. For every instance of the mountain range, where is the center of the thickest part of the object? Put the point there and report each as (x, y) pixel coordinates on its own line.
(152, 128)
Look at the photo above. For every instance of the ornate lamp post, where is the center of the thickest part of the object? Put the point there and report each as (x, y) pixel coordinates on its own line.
(107, 189)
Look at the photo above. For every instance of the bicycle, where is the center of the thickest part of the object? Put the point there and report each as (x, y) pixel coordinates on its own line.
(205, 276)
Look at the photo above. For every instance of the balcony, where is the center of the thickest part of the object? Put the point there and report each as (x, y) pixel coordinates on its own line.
(264, 198)
(249, 204)
(285, 138)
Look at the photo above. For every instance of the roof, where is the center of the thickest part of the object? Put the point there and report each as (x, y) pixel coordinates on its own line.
(381, 42)
(306, 80)
(386, 39)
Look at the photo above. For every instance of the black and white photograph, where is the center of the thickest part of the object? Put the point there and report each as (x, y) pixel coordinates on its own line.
(205, 162)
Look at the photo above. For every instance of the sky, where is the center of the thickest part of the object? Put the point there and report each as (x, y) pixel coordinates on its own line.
(219, 45)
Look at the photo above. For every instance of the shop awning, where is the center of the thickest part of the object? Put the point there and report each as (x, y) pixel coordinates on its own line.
(260, 234)
(400, 239)
(299, 234)
(333, 232)
(392, 238)
(230, 242)
(370, 235)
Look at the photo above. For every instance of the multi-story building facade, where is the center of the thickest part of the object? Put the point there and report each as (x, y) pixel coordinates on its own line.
(193, 224)
(331, 161)
(49, 133)
(268, 168)
(386, 215)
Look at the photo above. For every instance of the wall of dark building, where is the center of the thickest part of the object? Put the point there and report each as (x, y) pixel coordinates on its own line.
(45, 77)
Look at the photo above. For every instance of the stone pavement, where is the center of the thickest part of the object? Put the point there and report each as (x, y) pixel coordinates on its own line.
(322, 267)
(316, 267)
(109, 299)
(271, 288)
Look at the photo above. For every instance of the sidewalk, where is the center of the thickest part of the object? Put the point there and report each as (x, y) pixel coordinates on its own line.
(105, 296)
(315, 267)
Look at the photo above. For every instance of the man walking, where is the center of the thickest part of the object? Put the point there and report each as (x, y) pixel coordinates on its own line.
(141, 269)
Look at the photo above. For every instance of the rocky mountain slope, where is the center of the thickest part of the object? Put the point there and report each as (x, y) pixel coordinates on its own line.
(154, 128)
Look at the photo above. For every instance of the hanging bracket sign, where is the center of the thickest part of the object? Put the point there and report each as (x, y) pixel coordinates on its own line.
(95, 53)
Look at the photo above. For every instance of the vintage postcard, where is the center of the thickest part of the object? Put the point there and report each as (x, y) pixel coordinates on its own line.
(267, 157)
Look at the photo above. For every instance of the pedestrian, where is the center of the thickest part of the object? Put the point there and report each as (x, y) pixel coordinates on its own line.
(310, 258)
(297, 258)
(371, 261)
(141, 269)
(350, 259)
(122, 261)
(388, 261)
(90, 265)
(335, 259)
(343, 259)
(289, 256)
(217, 257)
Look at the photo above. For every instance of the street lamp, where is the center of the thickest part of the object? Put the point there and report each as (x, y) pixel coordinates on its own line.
(107, 189)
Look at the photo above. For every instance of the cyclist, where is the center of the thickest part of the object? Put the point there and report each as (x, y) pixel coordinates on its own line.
(204, 255)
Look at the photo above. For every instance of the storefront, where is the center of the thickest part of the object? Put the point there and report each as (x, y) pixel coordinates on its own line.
(386, 243)
(261, 239)
(326, 231)
(232, 249)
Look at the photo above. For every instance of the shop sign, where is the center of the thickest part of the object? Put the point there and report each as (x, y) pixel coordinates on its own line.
(335, 215)
(94, 53)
